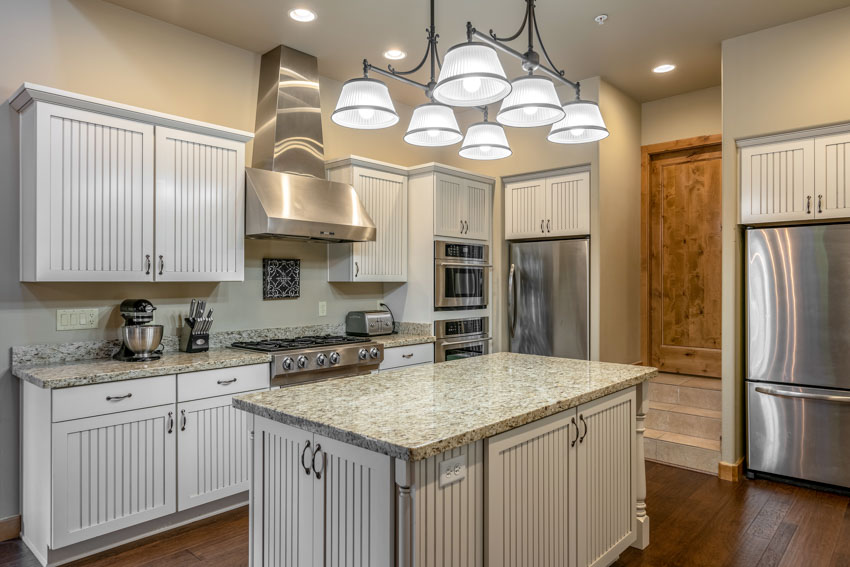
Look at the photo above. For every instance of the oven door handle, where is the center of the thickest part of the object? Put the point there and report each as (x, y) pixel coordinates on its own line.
(803, 395)
(512, 299)
(466, 264)
(453, 343)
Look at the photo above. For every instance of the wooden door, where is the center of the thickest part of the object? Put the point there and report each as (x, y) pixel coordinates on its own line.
(450, 205)
(200, 207)
(605, 461)
(683, 233)
(525, 204)
(777, 182)
(111, 472)
(384, 195)
(477, 218)
(94, 210)
(832, 176)
(568, 205)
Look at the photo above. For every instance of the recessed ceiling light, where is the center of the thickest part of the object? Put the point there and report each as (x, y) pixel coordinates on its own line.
(302, 15)
(666, 68)
(395, 54)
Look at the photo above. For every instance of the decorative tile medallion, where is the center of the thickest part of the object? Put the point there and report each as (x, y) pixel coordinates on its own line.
(281, 278)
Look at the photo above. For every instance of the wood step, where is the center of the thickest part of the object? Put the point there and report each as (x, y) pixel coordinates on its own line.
(686, 420)
(686, 390)
(685, 451)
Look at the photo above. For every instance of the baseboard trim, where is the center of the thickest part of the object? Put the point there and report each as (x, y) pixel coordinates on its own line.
(731, 471)
(10, 528)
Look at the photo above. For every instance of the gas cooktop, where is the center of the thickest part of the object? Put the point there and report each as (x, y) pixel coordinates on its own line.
(298, 343)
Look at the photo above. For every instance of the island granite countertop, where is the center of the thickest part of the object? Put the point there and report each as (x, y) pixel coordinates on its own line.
(85, 372)
(414, 413)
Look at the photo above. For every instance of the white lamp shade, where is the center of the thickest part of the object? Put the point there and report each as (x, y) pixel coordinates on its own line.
(531, 102)
(471, 75)
(582, 123)
(485, 140)
(433, 124)
(364, 104)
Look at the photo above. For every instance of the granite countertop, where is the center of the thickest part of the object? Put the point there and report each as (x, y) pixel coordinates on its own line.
(85, 372)
(414, 413)
(403, 339)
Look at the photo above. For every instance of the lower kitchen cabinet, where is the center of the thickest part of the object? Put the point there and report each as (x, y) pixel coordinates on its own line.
(411, 355)
(317, 501)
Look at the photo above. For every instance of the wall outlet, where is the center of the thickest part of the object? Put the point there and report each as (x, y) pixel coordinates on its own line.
(452, 470)
(323, 308)
(379, 307)
(72, 319)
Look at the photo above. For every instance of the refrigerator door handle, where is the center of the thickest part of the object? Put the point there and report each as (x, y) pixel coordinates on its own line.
(803, 395)
(512, 298)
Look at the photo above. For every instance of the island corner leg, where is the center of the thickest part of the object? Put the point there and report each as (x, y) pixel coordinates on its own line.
(404, 513)
(642, 523)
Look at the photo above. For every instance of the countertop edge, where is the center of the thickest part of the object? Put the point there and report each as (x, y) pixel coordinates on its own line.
(390, 341)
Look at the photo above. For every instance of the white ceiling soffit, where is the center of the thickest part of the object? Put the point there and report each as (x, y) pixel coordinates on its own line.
(636, 37)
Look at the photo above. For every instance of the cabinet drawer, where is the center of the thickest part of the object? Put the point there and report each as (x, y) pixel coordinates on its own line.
(397, 357)
(209, 383)
(101, 399)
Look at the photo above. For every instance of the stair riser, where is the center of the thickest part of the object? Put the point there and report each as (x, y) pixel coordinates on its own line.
(686, 424)
(683, 395)
(694, 458)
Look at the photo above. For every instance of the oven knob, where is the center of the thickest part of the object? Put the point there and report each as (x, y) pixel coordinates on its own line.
(374, 353)
(334, 358)
(302, 361)
(321, 359)
(287, 363)
(363, 354)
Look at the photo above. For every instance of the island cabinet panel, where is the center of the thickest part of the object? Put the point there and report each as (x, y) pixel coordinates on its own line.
(531, 474)
(111, 472)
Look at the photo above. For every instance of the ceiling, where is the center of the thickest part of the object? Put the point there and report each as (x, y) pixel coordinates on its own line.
(637, 36)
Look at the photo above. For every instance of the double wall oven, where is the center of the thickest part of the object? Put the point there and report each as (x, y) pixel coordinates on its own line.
(461, 275)
(461, 338)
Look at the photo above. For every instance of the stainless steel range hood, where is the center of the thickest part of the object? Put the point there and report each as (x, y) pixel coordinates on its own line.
(286, 193)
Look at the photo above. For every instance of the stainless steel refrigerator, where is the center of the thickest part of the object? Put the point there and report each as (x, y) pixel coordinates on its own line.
(798, 352)
(548, 298)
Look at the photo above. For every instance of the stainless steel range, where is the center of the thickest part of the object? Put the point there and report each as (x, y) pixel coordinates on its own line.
(311, 359)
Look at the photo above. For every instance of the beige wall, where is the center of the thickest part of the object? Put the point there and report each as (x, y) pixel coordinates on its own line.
(688, 115)
(784, 78)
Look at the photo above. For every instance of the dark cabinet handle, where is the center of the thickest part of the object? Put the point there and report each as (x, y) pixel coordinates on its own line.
(147, 264)
(541, 226)
(356, 269)
(407, 355)
(820, 204)
(183, 416)
(304, 465)
(170, 421)
(574, 441)
(322, 460)
(161, 264)
(118, 398)
(548, 229)
(226, 382)
(583, 435)
(808, 204)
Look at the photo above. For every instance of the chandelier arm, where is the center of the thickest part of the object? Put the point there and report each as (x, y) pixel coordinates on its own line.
(419, 66)
(560, 72)
(397, 77)
(519, 31)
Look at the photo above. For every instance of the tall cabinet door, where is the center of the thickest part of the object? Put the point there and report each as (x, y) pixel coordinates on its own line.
(200, 200)
(778, 182)
(384, 195)
(568, 205)
(352, 516)
(832, 176)
(525, 206)
(477, 218)
(450, 205)
(111, 472)
(94, 201)
(607, 501)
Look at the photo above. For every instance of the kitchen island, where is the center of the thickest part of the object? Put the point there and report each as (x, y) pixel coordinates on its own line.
(403, 467)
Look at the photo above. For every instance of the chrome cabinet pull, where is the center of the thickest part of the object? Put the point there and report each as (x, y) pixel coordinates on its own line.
(322, 460)
(820, 204)
(541, 226)
(583, 435)
(226, 382)
(356, 269)
(808, 204)
(118, 398)
(161, 264)
(147, 264)
(304, 465)
(407, 355)
(802, 395)
(574, 441)
(183, 416)
(547, 225)
(170, 422)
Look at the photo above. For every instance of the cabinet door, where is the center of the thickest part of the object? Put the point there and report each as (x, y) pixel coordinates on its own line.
(450, 205)
(352, 506)
(777, 182)
(384, 195)
(111, 472)
(281, 496)
(568, 205)
(477, 219)
(212, 451)
(832, 176)
(531, 493)
(200, 200)
(606, 501)
(94, 207)
(525, 209)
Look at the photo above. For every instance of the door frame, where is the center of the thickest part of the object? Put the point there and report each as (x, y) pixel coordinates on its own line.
(646, 155)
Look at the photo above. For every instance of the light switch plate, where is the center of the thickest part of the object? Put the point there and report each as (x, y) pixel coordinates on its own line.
(452, 470)
(323, 308)
(72, 319)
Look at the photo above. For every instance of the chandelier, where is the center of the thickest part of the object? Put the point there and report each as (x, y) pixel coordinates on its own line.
(472, 76)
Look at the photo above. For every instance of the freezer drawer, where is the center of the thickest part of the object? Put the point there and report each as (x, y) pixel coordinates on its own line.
(799, 432)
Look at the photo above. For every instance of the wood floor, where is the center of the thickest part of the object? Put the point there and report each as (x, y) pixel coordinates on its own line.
(697, 520)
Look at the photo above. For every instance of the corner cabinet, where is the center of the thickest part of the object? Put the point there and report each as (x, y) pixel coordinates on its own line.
(383, 191)
(548, 207)
(462, 207)
(111, 192)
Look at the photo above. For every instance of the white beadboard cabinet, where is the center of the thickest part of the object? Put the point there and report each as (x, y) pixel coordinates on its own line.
(91, 173)
(383, 191)
(200, 199)
(548, 207)
(778, 182)
(316, 501)
(462, 207)
(832, 176)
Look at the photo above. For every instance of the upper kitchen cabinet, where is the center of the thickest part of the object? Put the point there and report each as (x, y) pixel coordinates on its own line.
(548, 207)
(778, 182)
(462, 202)
(382, 190)
(832, 176)
(111, 192)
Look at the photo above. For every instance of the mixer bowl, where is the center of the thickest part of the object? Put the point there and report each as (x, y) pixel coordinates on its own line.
(142, 339)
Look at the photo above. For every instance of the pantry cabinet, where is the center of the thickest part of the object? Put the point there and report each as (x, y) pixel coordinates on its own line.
(111, 192)
(548, 207)
(461, 207)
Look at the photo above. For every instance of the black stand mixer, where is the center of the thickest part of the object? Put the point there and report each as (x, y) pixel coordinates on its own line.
(139, 339)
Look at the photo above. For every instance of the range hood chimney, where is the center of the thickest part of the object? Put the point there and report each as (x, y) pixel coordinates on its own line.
(286, 193)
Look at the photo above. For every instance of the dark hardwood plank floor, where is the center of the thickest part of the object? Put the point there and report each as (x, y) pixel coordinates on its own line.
(696, 521)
